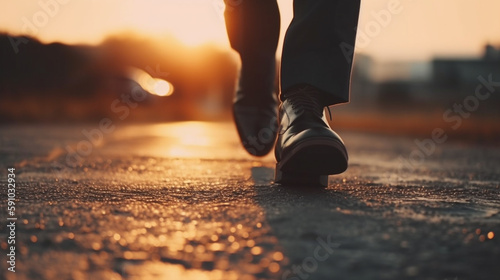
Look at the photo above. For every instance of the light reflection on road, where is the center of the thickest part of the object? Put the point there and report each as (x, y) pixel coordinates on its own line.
(181, 140)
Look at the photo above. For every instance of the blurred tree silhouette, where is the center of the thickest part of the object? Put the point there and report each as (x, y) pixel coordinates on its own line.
(44, 81)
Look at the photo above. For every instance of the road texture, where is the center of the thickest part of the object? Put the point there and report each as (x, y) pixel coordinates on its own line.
(184, 201)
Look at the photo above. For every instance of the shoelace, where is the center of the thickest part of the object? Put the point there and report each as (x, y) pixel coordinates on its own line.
(306, 99)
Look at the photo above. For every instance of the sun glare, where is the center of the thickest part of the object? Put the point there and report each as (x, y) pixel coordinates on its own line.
(152, 85)
(192, 22)
(162, 87)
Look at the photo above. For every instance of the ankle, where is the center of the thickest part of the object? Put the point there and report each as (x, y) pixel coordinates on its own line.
(305, 99)
(304, 90)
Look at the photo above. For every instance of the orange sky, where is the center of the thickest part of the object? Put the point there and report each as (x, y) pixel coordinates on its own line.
(416, 30)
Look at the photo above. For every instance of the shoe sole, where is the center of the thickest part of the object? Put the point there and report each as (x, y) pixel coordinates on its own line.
(311, 161)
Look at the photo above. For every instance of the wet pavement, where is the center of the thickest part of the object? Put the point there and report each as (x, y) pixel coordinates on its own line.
(184, 201)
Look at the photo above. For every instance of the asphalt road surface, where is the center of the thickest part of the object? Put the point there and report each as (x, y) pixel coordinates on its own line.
(184, 201)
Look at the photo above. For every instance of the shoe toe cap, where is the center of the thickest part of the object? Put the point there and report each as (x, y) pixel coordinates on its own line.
(257, 129)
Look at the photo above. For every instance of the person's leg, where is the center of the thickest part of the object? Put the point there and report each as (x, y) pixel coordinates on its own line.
(316, 68)
(318, 47)
(253, 30)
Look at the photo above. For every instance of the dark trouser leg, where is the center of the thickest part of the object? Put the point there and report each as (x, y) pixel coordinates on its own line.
(318, 47)
(253, 28)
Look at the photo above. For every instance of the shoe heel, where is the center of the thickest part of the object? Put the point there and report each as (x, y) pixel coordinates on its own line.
(299, 179)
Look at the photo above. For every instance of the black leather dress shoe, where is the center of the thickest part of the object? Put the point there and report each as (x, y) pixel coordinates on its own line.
(255, 108)
(307, 149)
(256, 121)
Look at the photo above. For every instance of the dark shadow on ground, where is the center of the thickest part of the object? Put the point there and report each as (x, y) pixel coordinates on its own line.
(366, 230)
(309, 223)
